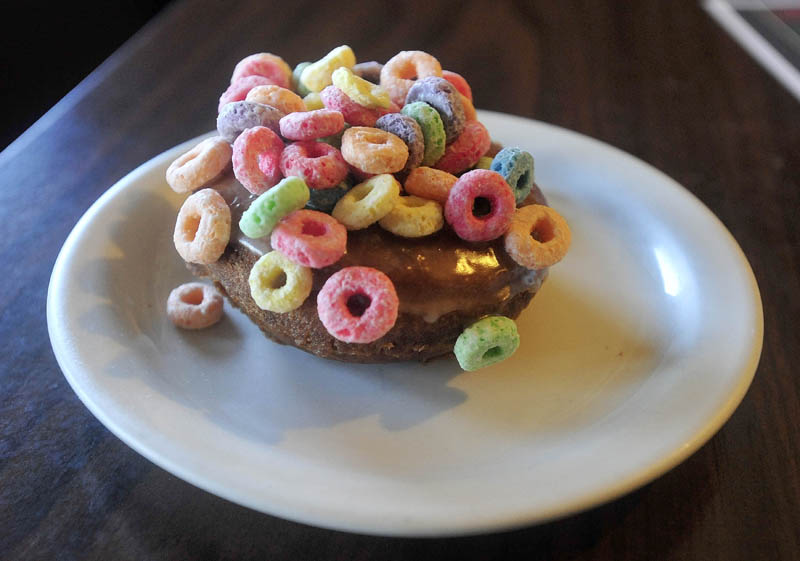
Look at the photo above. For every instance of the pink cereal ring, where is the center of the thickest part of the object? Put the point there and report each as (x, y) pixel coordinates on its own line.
(239, 89)
(310, 125)
(466, 150)
(199, 165)
(459, 82)
(357, 305)
(354, 114)
(480, 206)
(310, 238)
(256, 159)
(203, 227)
(319, 164)
(400, 72)
(194, 306)
(264, 64)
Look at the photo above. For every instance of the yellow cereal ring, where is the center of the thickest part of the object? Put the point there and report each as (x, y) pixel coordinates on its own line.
(317, 76)
(485, 162)
(374, 150)
(367, 202)
(359, 90)
(277, 284)
(538, 237)
(413, 217)
(313, 102)
(277, 97)
(430, 183)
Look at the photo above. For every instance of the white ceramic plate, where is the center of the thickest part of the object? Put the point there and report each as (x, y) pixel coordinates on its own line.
(638, 348)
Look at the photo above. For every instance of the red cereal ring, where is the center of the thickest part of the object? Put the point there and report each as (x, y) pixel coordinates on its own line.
(264, 64)
(310, 125)
(466, 150)
(194, 306)
(459, 82)
(480, 206)
(354, 114)
(310, 238)
(319, 164)
(256, 159)
(239, 89)
(357, 305)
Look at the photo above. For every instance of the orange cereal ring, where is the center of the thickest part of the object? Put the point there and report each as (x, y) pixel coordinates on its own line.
(194, 305)
(203, 227)
(538, 237)
(374, 150)
(469, 109)
(400, 72)
(199, 165)
(280, 98)
(430, 183)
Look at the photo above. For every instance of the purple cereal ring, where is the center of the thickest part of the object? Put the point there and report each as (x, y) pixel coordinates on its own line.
(370, 71)
(238, 116)
(311, 125)
(409, 132)
(444, 97)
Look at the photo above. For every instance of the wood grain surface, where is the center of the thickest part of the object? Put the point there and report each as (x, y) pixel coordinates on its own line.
(657, 79)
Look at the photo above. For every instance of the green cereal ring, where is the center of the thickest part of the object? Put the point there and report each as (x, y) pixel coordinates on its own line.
(486, 342)
(297, 85)
(432, 130)
(485, 162)
(277, 284)
(287, 196)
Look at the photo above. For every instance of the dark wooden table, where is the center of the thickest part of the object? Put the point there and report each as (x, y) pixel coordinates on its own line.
(657, 79)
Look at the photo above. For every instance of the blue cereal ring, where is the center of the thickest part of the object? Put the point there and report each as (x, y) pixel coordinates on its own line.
(516, 167)
(486, 342)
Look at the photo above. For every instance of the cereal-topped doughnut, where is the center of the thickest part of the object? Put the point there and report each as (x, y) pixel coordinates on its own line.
(400, 72)
(444, 97)
(241, 115)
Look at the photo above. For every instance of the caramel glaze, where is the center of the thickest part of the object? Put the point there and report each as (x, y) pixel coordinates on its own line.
(433, 275)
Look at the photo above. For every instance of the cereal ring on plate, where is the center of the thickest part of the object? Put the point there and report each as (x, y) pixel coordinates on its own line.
(538, 237)
(310, 125)
(239, 89)
(203, 227)
(358, 304)
(432, 128)
(199, 165)
(282, 99)
(486, 342)
(241, 115)
(256, 159)
(319, 164)
(480, 206)
(310, 238)
(408, 130)
(374, 150)
(466, 150)
(264, 64)
(277, 284)
(400, 72)
(413, 217)
(444, 97)
(194, 305)
(367, 202)
(430, 183)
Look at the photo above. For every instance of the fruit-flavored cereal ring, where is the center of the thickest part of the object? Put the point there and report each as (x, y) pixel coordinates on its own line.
(310, 238)
(469, 110)
(310, 125)
(359, 90)
(317, 76)
(199, 165)
(413, 217)
(367, 202)
(486, 342)
(399, 73)
(241, 115)
(194, 305)
(484, 162)
(313, 101)
(535, 197)
(354, 114)
(444, 97)
(279, 285)
(480, 206)
(408, 130)
(238, 90)
(319, 164)
(432, 128)
(264, 64)
(466, 150)
(516, 167)
(282, 99)
(430, 183)
(374, 150)
(324, 200)
(370, 71)
(538, 237)
(297, 85)
(459, 82)
(256, 159)
(358, 305)
(263, 213)
(203, 227)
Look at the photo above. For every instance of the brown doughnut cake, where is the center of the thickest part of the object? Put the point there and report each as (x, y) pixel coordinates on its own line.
(443, 284)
